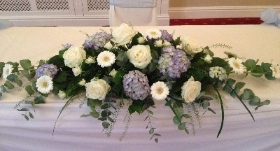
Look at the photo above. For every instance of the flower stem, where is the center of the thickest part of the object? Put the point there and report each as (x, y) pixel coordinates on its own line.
(223, 114)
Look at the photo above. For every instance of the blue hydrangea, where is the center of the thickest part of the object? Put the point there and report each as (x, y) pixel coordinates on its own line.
(97, 40)
(166, 36)
(136, 85)
(46, 69)
(173, 62)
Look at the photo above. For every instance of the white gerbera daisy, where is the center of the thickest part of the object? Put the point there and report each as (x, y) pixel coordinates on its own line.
(44, 84)
(153, 33)
(236, 65)
(7, 70)
(106, 59)
(275, 70)
(159, 90)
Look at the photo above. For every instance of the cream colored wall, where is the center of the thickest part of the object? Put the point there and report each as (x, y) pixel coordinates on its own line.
(206, 3)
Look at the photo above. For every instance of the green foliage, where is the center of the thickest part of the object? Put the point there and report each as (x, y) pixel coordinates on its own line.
(26, 64)
(57, 60)
(2, 64)
(29, 90)
(9, 85)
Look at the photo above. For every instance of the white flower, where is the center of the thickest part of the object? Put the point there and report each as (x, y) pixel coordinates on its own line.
(106, 59)
(123, 34)
(153, 33)
(275, 70)
(61, 94)
(7, 70)
(74, 56)
(208, 58)
(190, 45)
(140, 56)
(77, 71)
(218, 72)
(108, 45)
(97, 89)
(44, 84)
(82, 82)
(113, 73)
(166, 43)
(158, 43)
(90, 60)
(159, 90)
(190, 90)
(141, 40)
(236, 65)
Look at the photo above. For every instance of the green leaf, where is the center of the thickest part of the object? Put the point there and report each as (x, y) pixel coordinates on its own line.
(26, 117)
(105, 125)
(205, 104)
(0, 94)
(106, 113)
(61, 77)
(94, 114)
(29, 90)
(255, 101)
(248, 94)
(9, 85)
(27, 74)
(266, 102)
(31, 115)
(151, 131)
(25, 64)
(269, 76)
(39, 100)
(85, 115)
(57, 60)
(19, 82)
(102, 118)
(105, 106)
(136, 106)
(186, 116)
(182, 126)
(211, 110)
(110, 119)
(176, 120)
(2, 64)
(41, 62)
(12, 77)
(187, 131)
(250, 64)
(150, 112)
(118, 77)
(23, 109)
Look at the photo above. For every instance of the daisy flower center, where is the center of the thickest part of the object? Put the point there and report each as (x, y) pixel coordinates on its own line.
(45, 84)
(7, 71)
(153, 33)
(159, 90)
(106, 59)
(236, 65)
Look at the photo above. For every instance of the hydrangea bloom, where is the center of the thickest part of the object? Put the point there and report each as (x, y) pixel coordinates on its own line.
(218, 72)
(97, 40)
(136, 85)
(46, 69)
(166, 36)
(173, 62)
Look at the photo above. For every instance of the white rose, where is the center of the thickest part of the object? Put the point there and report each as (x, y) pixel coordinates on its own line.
(77, 71)
(158, 43)
(97, 89)
(190, 90)
(74, 56)
(123, 34)
(108, 45)
(61, 94)
(190, 45)
(140, 56)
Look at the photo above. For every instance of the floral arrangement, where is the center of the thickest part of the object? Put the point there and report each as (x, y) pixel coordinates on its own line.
(124, 67)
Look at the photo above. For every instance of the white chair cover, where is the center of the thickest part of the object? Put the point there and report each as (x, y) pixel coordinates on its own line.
(134, 12)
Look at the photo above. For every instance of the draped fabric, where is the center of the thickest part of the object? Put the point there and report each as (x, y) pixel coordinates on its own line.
(134, 12)
(74, 133)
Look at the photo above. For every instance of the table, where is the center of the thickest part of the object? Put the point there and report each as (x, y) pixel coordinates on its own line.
(75, 133)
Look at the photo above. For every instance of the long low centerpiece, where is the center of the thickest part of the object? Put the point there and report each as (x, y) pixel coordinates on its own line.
(125, 67)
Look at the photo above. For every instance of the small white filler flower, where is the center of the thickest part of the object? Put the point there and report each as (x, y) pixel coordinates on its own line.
(159, 90)
(275, 70)
(44, 84)
(153, 33)
(106, 59)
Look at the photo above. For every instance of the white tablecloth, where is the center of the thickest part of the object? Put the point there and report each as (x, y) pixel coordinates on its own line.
(75, 133)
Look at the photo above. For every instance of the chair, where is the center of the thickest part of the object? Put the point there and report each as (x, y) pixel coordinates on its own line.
(134, 12)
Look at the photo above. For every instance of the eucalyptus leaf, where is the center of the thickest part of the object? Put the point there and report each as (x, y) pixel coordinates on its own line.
(105, 125)
(250, 64)
(255, 101)
(186, 116)
(12, 77)
(151, 131)
(29, 90)
(182, 126)
(26, 117)
(39, 100)
(25, 64)
(205, 104)
(0, 94)
(187, 131)
(248, 94)
(9, 85)
(176, 120)
(31, 115)
(102, 118)
(23, 109)
(85, 115)
(94, 114)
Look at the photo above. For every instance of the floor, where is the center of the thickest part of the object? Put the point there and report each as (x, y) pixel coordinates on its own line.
(215, 21)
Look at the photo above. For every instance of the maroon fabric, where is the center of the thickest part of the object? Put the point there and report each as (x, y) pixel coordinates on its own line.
(215, 21)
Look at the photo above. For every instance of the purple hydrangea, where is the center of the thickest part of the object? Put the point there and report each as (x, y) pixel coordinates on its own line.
(136, 85)
(173, 62)
(46, 69)
(166, 36)
(97, 40)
